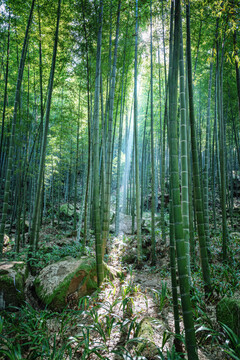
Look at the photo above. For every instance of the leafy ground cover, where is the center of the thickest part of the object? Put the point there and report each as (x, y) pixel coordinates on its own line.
(106, 325)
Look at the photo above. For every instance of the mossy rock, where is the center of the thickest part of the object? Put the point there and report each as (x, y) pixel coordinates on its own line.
(146, 347)
(146, 253)
(12, 281)
(130, 256)
(7, 246)
(66, 210)
(146, 242)
(228, 312)
(26, 225)
(65, 282)
(146, 230)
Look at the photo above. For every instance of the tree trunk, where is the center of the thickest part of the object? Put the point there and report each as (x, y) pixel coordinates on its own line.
(139, 238)
(175, 194)
(44, 141)
(152, 152)
(5, 89)
(12, 136)
(196, 175)
(206, 165)
(89, 132)
(184, 155)
(120, 139)
(98, 242)
(237, 68)
(222, 150)
(107, 195)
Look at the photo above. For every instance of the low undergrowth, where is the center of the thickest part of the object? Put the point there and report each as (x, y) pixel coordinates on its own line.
(106, 326)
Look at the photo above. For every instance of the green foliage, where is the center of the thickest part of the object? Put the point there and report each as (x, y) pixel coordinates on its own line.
(67, 210)
(69, 106)
(232, 344)
(103, 319)
(88, 330)
(45, 257)
(171, 355)
(225, 278)
(48, 254)
(228, 312)
(26, 332)
(226, 339)
(160, 296)
(84, 341)
(205, 330)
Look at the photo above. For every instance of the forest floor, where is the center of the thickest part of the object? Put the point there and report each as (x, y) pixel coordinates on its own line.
(107, 325)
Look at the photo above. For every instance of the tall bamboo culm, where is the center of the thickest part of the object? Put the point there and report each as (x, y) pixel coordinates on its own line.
(12, 136)
(175, 193)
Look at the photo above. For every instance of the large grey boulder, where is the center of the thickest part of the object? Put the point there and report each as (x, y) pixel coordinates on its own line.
(12, 280)
(65, 282)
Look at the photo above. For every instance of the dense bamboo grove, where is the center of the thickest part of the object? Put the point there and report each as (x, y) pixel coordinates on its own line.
(117, 107)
